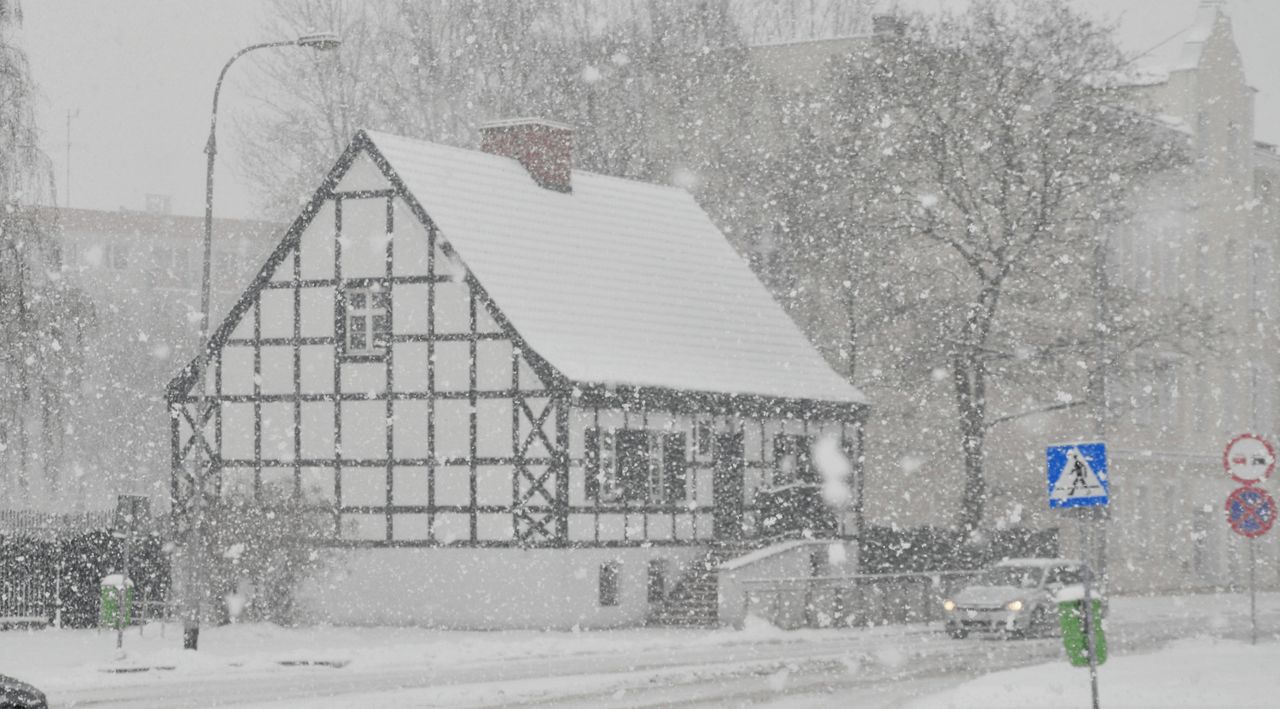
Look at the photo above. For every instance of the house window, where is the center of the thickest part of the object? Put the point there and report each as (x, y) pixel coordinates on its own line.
(635, 466)
(609, 576)
(793, 459)
(367, 326)
(704, 437)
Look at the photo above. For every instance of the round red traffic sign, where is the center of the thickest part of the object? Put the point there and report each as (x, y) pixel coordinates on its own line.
(1249, 458)
(1250, 511)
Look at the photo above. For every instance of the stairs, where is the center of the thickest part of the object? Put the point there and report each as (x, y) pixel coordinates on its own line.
(694, 601)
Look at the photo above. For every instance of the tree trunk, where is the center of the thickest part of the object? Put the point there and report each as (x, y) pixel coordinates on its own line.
(970, 383)
(968, 371)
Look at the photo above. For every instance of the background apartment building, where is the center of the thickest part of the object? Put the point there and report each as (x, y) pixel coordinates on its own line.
(139, 274)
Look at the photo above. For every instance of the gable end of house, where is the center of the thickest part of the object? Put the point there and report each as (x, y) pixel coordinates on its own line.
(181, 385)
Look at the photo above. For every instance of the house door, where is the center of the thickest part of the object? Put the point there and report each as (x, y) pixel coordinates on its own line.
(727, 486)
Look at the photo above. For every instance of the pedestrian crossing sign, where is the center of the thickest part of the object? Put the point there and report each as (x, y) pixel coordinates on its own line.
(1077, 475)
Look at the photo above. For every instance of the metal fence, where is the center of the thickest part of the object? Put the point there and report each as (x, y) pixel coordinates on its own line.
(51, 567)
(50, 525)
(853, 600)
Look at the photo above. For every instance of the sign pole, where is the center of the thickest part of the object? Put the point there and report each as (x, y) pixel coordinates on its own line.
(1077, 476)
(1253, 596)
(124, 593)
(1090, 642)
(1250, 459)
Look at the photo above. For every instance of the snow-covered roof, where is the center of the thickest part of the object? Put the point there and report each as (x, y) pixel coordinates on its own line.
(618, 282)
(772, 550)
(1042, 563)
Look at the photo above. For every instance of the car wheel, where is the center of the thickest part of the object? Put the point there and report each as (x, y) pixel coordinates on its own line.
(957, 632)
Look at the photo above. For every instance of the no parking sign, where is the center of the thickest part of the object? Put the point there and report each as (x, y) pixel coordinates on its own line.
(1249, 459)
(1250, 511)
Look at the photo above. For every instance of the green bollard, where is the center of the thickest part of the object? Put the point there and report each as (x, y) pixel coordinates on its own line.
(1071, 618)
(109, 606)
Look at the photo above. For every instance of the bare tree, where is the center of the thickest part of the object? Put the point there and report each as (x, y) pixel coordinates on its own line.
(41, 320)
(436, 70)
(999, 146)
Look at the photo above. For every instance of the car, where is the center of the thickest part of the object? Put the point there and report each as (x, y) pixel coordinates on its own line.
(1016, 597)
(16, 694)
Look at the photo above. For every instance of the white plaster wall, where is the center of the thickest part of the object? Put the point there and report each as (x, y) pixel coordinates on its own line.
(362, 175)
(364, 238)
(487, 589)
(317, 245)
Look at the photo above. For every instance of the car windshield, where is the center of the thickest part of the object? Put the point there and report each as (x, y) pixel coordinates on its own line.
(1016, 576)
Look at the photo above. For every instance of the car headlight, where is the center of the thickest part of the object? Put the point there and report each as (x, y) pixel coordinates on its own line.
(948, 605)
(1014, 606)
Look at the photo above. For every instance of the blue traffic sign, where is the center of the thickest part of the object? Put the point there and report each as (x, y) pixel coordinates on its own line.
(1077, 475)
(1250, 511)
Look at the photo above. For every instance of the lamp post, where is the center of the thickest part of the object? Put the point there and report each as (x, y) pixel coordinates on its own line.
(194, 592)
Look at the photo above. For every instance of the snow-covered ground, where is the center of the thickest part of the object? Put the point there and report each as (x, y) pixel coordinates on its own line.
(1193, 674)
(257, 665)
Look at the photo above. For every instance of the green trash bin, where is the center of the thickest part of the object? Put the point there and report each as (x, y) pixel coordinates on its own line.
(1071, 618)
(110, 601)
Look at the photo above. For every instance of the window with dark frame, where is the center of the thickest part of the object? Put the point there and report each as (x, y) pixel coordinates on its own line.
(635, 466)
(657, 588)
(367, 325)
(704, 438)
(793, 459)
(610, 572)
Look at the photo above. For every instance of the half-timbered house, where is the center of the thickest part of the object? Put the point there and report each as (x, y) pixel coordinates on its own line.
(529, 396)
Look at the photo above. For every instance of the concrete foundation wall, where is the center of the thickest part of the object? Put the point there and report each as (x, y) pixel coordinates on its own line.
(483, 589)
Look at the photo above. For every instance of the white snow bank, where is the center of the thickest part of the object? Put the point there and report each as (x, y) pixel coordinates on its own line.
(115, 581)
(1193, 673)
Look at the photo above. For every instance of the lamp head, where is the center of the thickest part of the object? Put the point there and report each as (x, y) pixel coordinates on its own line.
(320, 41)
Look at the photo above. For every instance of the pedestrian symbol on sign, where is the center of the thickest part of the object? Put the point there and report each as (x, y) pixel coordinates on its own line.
(1077, 475)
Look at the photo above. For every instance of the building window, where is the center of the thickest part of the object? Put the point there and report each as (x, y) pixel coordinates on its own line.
(609, 576)
(1260, 274)
(1262, 380)
(704, 437)
(635, 466)
(1200, 541)
(1165, 397)
(657, 590)
(793, 459)
(118, 256)
(367, 326)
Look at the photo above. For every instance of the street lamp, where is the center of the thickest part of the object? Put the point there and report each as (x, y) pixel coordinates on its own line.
(320, 41)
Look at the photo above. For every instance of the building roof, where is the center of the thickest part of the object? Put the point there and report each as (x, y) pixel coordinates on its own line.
(126, 222)
(618, 282)
(1180, 52)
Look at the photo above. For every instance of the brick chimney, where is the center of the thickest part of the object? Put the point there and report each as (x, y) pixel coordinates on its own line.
(545, 148)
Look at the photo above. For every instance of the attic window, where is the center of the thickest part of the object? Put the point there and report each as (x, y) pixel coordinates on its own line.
(366, 322)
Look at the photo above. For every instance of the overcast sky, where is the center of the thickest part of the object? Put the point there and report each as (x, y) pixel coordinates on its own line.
(138, 77)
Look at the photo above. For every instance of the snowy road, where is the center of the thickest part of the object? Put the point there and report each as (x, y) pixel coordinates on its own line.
(876, 667)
